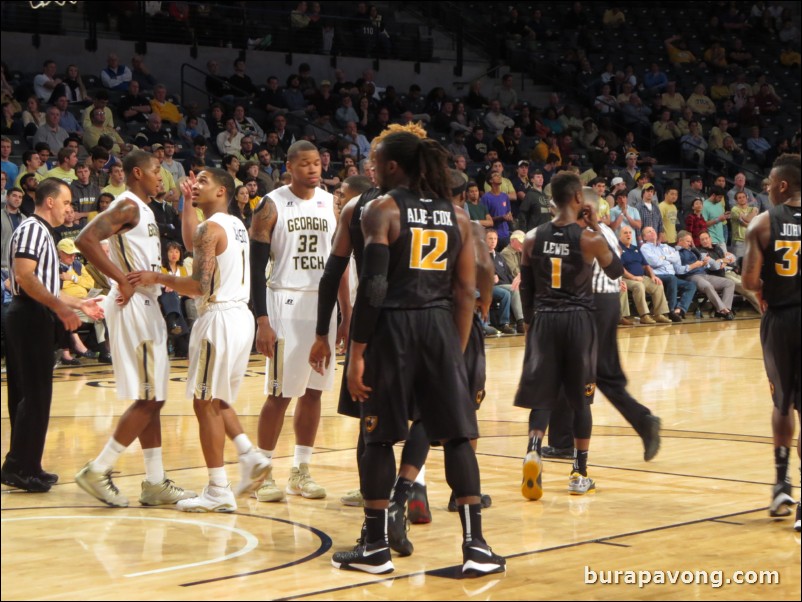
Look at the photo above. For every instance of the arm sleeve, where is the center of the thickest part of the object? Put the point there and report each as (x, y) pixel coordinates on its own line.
(260, 255)
(327, 292)
(371, 292)
(527, 290)
(615, 269)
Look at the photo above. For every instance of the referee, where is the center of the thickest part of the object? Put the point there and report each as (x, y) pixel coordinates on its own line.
(610, 377)
(30, 335)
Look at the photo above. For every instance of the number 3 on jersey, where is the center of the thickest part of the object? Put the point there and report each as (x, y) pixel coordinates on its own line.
(433, 260)
(790, 259)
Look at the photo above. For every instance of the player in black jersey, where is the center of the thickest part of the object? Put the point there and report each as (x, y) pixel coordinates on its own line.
(771, 269)
(411, 322)
(556, 271)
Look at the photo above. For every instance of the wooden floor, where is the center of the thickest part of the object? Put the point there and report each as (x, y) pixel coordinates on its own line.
(701, 505)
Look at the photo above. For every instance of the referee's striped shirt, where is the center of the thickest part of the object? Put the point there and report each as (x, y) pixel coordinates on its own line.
(601, 283)
(34, 239)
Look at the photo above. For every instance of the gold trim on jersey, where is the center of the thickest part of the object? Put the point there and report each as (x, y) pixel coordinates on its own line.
(203, 378)
(123, 254)
(146, 370)
(277, 369)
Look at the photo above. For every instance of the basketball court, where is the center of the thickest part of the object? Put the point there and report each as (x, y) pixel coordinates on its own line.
(696, 516)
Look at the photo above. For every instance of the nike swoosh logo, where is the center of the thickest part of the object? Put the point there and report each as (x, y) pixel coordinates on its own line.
(372, 552)
(482, 550)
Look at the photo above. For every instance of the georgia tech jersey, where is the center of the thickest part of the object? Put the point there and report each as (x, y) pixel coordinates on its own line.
(301, 241)
(140, 247)
(231, 281)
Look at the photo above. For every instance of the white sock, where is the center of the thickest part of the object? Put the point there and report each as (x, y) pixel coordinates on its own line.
(154, 469)
(267, 452)
(303, 455)
(421, 478)
(217, 477)
(242, 443)
(108, 457)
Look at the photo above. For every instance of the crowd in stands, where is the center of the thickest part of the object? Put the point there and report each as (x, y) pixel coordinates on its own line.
(677, 240)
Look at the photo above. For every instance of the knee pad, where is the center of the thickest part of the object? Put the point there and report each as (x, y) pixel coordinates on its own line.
(416, 448)
(462, 469)
(583, 423)
(377, 472)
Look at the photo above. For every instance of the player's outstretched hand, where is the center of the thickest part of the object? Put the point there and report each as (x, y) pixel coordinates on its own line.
(141, 278)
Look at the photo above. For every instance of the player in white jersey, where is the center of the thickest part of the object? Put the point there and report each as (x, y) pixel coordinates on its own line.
(293, 226)
(221, 339)
(138, 336)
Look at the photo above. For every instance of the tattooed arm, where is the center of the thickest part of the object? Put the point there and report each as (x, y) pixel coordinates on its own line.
(116, 220)
(264, 221)
(208, 242)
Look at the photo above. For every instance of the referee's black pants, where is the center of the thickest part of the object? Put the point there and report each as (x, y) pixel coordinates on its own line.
(30, 336)
(610, 378)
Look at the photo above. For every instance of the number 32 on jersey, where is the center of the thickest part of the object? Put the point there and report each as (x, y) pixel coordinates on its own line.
(428, 250)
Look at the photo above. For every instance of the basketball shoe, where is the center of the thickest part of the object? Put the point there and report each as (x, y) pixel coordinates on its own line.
(397, 528)
(418, 511)
(100, 486)
(781, 500)
(301, 483)
(253, 468)
(162, 494)
(580, 485)
(269, 491)
(213, 499)
(353, 498)
(478, 559)
(369, 558)
(532, 482)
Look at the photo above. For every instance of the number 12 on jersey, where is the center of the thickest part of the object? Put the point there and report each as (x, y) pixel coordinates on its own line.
(433, 260)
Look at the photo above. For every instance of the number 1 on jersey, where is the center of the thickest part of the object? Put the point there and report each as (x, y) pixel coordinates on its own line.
(556, 272)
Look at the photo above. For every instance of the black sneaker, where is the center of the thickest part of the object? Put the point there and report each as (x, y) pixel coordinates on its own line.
(104, 358)
(478, 559)
(674, 316)
(418, 511)
(48, 477)
(507, 329)
(370, 558)
(651, 437)
(798, 522)
(397, 530)
(781, 500)
(549, 451)
(487, 501)
(31, 484)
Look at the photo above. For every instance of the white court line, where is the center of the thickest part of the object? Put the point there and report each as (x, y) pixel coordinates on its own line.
(250, 539)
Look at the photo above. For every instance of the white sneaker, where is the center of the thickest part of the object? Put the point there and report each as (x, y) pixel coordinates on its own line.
(580, 485)
(253, 468)
(269, 491)
(213, 499)
(301, 483)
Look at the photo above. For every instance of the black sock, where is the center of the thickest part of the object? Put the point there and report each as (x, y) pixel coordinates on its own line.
(535, 444)
(581, 462)
(376, 525)
(781, 462)
(470, 515)
(401, 491)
